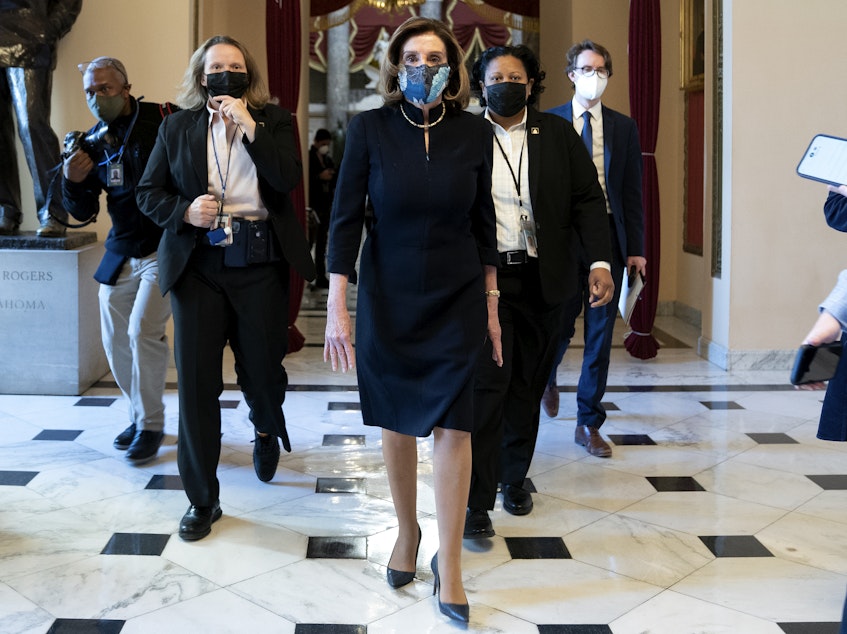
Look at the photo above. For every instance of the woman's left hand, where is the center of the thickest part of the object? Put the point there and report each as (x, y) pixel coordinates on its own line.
(601, 286)
(494, 332)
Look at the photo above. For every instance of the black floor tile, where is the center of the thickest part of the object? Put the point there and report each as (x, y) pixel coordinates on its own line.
(341, 406)
(830, 482)
(329, 628)
(773, 439)
(631, 439)
(574, 629)
(338, 440)
(165, 482)
(721, 404)
(337, 548)
(16, 478)
(537, 548)
(58, 434)
(810, 628)
(229, 404)
(136, 544)
(341, 485)
(735, 546)
(95, 401)
(665, 484)
(86, 626)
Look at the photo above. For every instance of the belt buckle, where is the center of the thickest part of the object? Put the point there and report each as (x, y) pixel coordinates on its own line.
(512, 257)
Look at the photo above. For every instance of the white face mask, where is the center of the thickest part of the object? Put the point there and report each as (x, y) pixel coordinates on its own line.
(590, 88)
(324, 150)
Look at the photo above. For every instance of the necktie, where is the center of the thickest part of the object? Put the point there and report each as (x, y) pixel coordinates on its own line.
(586, 133)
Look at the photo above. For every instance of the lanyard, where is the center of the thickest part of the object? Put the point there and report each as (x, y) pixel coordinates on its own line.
(119, 154)
(224, 180)
(515, 180)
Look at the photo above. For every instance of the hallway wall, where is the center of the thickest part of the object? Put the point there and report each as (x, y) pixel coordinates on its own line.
(784, 83)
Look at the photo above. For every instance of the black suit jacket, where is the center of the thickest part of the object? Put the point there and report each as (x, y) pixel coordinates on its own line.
(567, 203)
(177, 173)
(623, 166)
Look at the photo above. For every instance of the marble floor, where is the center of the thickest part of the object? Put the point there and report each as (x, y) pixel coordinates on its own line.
(718, 512)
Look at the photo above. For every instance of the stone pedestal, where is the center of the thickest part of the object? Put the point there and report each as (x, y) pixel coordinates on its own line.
(49, 314)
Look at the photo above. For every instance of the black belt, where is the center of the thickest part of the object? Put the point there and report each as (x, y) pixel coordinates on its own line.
(237, 224)
(510, 258)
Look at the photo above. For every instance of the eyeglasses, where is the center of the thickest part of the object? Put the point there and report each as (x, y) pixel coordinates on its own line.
(104, 62)
(588, 71)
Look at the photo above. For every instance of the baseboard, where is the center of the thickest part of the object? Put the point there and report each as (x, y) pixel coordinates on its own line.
(744, 359)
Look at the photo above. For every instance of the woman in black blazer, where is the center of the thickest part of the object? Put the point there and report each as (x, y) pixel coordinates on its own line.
(546, 197)
(218, 182)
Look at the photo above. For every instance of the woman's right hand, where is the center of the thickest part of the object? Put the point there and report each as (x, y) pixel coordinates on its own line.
(838, 189)
(826, 329)
(338, 346)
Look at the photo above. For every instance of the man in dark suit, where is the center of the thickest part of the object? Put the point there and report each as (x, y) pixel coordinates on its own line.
(546, 196)
(613, 141)
(218, 182)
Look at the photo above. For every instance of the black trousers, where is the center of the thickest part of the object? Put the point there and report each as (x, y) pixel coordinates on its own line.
(213, 305)
(507, 400)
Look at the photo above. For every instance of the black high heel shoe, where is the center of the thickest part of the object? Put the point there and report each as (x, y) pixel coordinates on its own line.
(399, 578)
(456, 611)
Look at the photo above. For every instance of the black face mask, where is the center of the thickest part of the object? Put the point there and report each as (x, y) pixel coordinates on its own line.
(506, 98)
(227, 83)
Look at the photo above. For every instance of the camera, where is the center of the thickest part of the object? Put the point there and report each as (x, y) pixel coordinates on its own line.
(94, 144)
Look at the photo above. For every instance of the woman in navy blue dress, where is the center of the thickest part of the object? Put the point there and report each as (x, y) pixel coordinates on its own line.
(427, 285)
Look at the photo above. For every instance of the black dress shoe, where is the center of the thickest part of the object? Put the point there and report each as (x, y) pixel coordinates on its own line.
(265, 456)
(125, 438)
(144, 446)
(197, 521)
(456, 611)
(516, 500)
(477, 524)
(399, 578)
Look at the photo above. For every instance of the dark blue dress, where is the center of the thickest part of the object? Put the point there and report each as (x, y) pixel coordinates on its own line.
(421, 316)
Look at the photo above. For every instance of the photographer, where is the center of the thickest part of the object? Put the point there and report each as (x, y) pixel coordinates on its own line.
(112, 157)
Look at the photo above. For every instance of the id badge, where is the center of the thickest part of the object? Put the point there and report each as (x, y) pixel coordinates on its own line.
(116, 174)
(221, 233)
(528, 231)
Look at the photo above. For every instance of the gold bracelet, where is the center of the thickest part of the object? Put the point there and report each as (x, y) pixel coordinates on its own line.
(493, 293)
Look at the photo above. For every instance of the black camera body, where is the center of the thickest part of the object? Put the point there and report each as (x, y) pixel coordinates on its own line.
(94, 144)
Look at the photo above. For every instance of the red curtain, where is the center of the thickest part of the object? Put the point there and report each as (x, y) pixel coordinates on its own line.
(322, 7)
(282, 30)
(645, 72)
(528, 8)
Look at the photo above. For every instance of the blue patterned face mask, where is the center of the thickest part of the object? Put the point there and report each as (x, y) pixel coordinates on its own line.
(423, 84)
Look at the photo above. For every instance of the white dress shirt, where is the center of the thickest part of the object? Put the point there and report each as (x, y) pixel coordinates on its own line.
(232, 173)
(509, 205)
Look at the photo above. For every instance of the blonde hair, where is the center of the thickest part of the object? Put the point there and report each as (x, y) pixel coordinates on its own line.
(192, 93)
(457, 93)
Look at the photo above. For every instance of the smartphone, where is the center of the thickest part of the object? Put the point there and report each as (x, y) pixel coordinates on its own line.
(825, 160)
(814, 364)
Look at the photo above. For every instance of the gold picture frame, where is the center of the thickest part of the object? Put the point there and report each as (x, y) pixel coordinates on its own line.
(692, 44)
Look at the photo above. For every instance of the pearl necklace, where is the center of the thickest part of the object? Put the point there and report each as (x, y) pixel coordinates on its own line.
(425, 126)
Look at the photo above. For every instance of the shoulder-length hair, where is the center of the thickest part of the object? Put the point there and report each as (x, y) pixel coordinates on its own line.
(530, 63)
(457, 93)
(193, 95)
